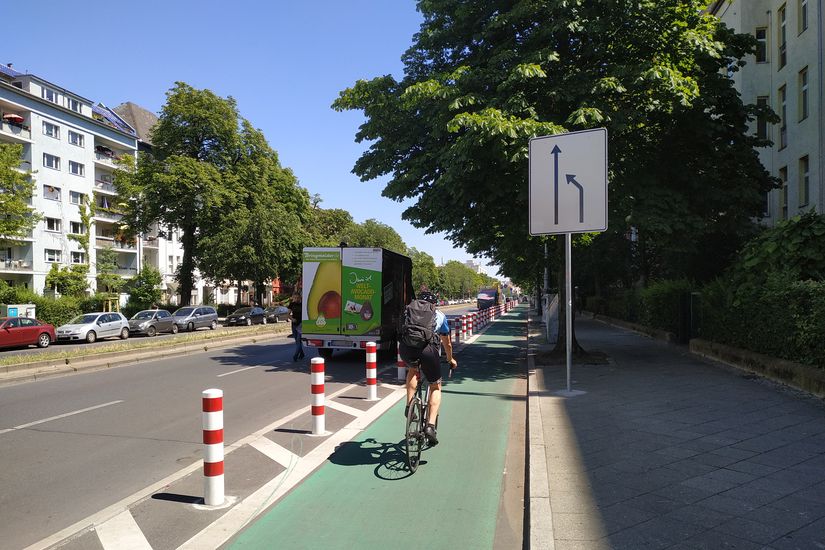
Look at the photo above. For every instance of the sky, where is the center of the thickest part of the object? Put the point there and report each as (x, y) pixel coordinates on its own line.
(284, 61)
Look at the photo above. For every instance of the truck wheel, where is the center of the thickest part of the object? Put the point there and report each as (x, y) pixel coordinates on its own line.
(326, 353)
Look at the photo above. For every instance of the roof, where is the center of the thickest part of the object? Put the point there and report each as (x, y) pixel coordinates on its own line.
(110, 117)
(138, 118)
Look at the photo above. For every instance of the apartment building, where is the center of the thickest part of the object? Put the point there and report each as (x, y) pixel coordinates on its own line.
(786, 73)
(70, 145)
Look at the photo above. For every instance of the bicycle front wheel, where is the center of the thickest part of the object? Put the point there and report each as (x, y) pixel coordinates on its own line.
(414, 436)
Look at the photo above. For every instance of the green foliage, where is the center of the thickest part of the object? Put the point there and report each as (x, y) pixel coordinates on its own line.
(373, 233)
(107, 280)
(86, 214)
(49, 310)
(70, 281)
(795, 246)
(328, 227)
(144, 288)
(424, 271)
(660, 304)
(16, 191)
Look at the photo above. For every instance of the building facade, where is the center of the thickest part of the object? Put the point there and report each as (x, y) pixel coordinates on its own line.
(786, 73)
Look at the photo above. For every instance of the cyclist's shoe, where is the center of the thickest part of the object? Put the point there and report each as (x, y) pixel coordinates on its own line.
(430, 434)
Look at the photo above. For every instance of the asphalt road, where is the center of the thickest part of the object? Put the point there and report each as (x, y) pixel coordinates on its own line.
(129, 427)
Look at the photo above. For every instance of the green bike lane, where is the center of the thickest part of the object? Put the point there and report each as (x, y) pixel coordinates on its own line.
(363, 495)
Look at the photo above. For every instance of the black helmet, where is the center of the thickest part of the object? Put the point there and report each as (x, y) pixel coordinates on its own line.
(428, 297)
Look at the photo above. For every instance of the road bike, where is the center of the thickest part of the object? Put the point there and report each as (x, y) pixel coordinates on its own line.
(417, 416)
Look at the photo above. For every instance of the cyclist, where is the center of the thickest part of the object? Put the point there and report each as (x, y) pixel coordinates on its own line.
(428, 360)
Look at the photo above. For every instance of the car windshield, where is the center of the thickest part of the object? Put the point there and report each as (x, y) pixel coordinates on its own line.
(184, 311)
(84, 319)
(140, 315)
(242, 311)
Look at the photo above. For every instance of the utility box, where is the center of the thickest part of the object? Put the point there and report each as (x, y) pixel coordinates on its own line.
(17, 310)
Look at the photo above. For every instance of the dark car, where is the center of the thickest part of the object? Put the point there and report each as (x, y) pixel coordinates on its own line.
(276, 314)
(25, 331)
(246, 316)
(152, 321)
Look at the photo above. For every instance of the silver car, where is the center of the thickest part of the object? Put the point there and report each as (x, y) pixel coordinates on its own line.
(152, 321)
(194, 317)
(93, 326)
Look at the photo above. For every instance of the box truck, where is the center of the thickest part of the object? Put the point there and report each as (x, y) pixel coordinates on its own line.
(352, 296)
(487, 297)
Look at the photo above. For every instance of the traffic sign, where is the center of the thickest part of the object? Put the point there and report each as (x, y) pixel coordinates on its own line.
(568, 183)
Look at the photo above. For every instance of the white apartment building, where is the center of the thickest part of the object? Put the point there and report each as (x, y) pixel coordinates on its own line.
(787, 74)
(70, 144)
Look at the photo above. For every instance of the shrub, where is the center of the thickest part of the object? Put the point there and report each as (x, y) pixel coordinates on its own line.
(661, 304)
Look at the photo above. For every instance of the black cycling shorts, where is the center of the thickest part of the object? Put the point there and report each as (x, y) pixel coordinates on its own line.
(428, 357)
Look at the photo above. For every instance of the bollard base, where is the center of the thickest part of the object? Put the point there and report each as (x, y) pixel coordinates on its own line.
(227, 502)
(571, 393)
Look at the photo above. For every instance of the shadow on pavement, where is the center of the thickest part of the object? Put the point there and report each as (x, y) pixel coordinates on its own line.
(389, 458)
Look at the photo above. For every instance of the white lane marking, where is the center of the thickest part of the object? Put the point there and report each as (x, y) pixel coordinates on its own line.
(352, 411)
(235, 519)
(122, 533)
(59, 416)
(279, 454)
(240, 370)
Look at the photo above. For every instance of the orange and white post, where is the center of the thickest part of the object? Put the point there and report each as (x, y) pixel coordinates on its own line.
(316, 369)
(372, 372)
(212, 416)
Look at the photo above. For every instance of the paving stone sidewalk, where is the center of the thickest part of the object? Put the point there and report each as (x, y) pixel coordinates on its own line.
(665, 450)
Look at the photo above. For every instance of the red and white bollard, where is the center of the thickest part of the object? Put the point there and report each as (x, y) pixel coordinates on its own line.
(463, 328)
(457, 328)
(470, 327)
(316, 369)
(212, 416)
(372, 382)
(402, 368)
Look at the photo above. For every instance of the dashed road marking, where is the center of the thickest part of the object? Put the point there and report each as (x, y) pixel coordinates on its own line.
(122, 532)
(278, 453)
(59, 416)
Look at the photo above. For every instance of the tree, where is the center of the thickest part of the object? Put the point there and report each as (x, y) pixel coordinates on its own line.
(69, 281)
(482, 77)
(185, 182)
(107, 280)
(328, 227)
(144, 288)
(373, 233)
(16, 190)
(424, 271)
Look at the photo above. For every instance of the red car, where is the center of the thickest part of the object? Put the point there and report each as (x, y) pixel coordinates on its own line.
(24, 331)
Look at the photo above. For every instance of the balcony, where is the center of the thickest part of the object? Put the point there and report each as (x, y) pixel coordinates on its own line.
(18, 132)
(150, 242)
(107, 214)
(105, 186)
(8, 264)
(109, 242)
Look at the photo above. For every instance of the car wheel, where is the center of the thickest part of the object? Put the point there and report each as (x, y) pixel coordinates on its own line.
(214, 325)
(91, 336)
(249, 322)
(124, 333)
(190, 327)
(151, 331)
(44, 340)
(175, 329)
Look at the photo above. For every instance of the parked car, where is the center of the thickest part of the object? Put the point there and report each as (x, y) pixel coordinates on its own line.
(246, 316)
(194, 317)
(152, 321)
(276, 314)
(25, 331)
(93, 326)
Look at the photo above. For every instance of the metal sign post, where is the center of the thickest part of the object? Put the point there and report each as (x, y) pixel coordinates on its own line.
(568, 177)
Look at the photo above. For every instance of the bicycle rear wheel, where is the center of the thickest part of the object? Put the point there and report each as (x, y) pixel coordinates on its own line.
(414, 436)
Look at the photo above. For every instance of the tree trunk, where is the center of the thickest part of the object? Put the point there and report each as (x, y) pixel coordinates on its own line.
(187, 266)
(561, 340)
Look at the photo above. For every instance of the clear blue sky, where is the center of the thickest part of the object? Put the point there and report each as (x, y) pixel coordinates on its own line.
(284, 61)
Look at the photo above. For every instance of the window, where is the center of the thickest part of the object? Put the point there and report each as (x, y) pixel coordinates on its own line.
(783, 116)
(73, 104)
(51, 130)
(52, 224)
(804, 181)
(106, 178)
(761, 120)
(49, 95)
(51, 161)
(76, 139)
(77, 228)
(783, 46)
(53, 256)
(171, 265)
(51, 192)
(761, 45)
(78, 257)
(76, 198)
(803, 94)
(783, 193)
(76, 168)
(803, 15)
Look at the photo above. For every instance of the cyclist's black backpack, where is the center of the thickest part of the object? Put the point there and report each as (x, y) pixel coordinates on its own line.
(417, 326)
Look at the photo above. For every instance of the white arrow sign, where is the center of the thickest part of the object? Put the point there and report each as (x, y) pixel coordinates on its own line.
(568, 183)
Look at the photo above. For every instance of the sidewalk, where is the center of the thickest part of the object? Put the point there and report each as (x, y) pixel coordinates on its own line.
(664, 450)
(363, 496)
